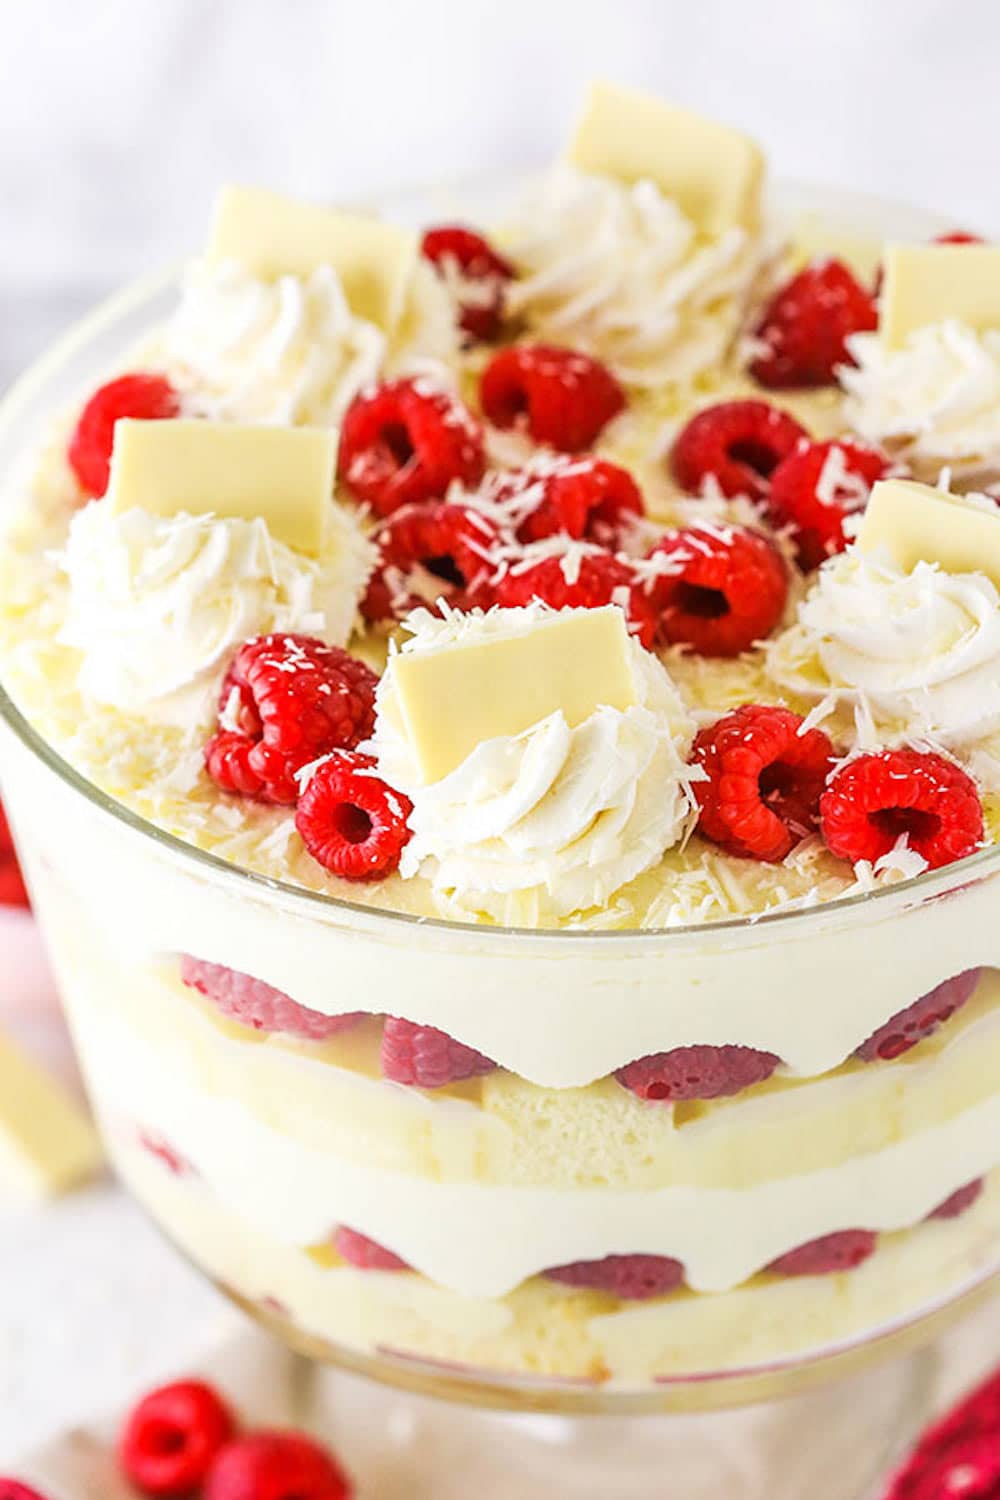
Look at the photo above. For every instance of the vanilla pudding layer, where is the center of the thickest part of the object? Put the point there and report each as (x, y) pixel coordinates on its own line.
(548, 1330)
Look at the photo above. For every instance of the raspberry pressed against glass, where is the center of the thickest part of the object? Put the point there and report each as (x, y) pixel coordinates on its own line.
(171, 1438)
(816, 487)
(634, 1278)
(352, 822)
(588, 499)
(697, 1072)
(842, 1251)
(764, 780)
(716, 589)
(737, 445)
(13, 1489)
(431, 551)
(806, 325)
(149, 397)
(277, 1466)
(423, 1057)
(959, 1201)
(13, 891)
(583, 578)
(365, 1254)
(919, 1020)
(258, 1005)
(874, 800)
(407, 441)
(560, 397)
(478, 273)
(287, 700)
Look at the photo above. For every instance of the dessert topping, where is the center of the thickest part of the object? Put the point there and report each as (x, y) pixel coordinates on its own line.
(734, 446)
(588, 499)
(874, 800)
(407, 441)
(816, 487)
(351, 821)
(804, 332)
(150, 397)
(716, 589)
(428, 552)
(933, 284)
(475, 274)
(561, 397)
(914, 523)
(564, 574)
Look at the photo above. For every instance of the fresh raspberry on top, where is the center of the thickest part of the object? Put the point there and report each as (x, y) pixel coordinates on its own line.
(406, 441)
(145, 396)
(816, 487)
(634, 1278)
(351, 821)
(367, 1255)
(12, 887)
(806, 325)
(431, 551)
(697, 1072)
(960, 1200)
(258, 1005)
(276, 1466)
(171, 1438)
(583, 577)
(586, 498)
(875, 799)
(736, 445)
(842, 1251)
(917, 1021)
(561, 397)
(717, 589)
(286, 700)
(476, 272)
(425, 1058)
(765, 779)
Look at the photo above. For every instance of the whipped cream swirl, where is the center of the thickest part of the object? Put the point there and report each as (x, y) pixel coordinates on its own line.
(158, 603)
(621, 273)
(539, 825)
(917, 654)
(936, 399)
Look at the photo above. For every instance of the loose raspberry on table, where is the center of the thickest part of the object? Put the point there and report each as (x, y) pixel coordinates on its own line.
(735, 445)
(431, 551)
(842, 1251)
(171, 1438)
(634, 1278)
(716, 589)
(352, 822)
(407, 441)
(959, 1202)
(561, 397)
(816, 487)
(425, 1058)
(588, 499)
(582, 577)
(958, 1457)
(919, 1020)
(277, 1466)
(258, 1005)
(764, 780)
(697, 1072)
(13, 891)
(287, 700)
(476, 272)
(874, 800)
(141, 395)
(365, 1254)
(13, 1489)
(806, 325)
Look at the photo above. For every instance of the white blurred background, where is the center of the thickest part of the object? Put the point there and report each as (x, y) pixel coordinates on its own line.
(119, 118)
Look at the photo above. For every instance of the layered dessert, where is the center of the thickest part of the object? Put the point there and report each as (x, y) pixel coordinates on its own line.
(505, 737)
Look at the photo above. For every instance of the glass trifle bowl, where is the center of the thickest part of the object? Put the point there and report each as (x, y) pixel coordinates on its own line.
(439, 1239)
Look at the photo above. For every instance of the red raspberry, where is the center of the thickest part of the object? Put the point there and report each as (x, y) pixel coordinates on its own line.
(176, 1164)
(874, 799)
(909, 1026)
(351, 821)
(256, 1004)
(561, 397)
(450, 543)
(171, 1438)
(806, 325)
(764, 782)
(814, 488)
(968, 1469)
(634, 1278)
(12, 887)
(962, 1199)
(717, 589)
(367, 1255)
(584, 578)
(276, 1466)
(697, 1072)
(293, 699)
(586, 498)
(89, 451)
(425, 1058)
(479, 274)
(406, 441)
(842, 1251)
(13, 1489)
(958, 237)
(736, 444)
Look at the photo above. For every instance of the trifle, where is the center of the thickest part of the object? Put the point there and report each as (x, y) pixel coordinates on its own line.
(503, 729)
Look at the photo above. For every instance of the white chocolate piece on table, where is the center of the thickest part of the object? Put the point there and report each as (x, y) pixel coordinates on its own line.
(284, 475)
(926, 284)
(272, 235)
(47, 1143)
(713, 172)
(453, 698)
(915, 523)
